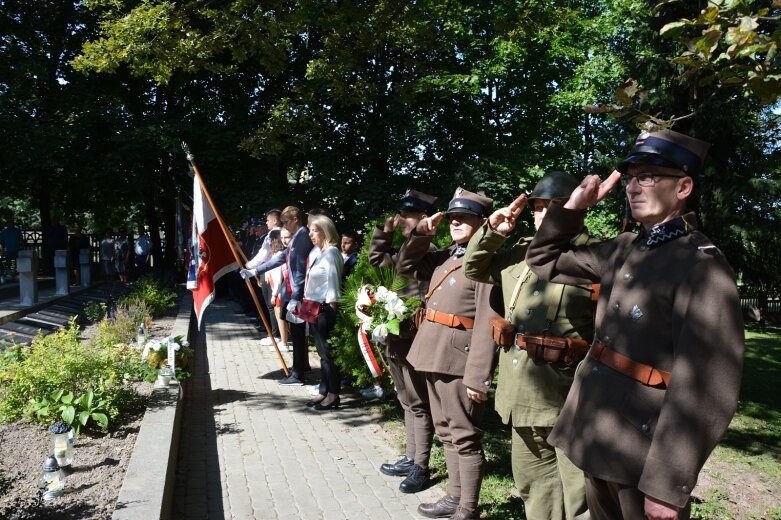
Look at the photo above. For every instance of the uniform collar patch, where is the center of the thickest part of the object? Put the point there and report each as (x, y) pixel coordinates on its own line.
(666, 232)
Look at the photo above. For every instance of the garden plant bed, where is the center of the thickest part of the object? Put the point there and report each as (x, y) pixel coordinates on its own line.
(99, 462)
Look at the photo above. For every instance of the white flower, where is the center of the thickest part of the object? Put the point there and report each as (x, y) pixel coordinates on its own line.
(380, 332)
(381, 294)
(154, 345)
(186, 343)
(395, 307)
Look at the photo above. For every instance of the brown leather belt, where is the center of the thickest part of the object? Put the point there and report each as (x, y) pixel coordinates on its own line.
(640, 372)
(553, 349)
(449, 320)
(547, 341)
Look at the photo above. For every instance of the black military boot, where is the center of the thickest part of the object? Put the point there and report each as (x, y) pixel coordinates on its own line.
(416, 480)
(445, 507)
(400, 468)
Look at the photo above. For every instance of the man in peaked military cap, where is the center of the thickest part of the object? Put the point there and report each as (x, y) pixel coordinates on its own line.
(454, 349)
(661, 381)
(410, 385)
(532, 386)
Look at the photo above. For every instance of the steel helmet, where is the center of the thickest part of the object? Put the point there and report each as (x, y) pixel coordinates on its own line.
(554, 185)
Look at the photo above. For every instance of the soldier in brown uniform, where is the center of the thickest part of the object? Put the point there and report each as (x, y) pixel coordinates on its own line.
(661, 381)
(454, 349)
(530, 390)
(410, 385)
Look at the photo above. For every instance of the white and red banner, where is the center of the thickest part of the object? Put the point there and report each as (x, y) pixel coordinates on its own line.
(211, 256)
(368, 356)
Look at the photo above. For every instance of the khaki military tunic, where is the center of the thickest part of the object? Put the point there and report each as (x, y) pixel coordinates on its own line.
(674, 307)
(530, 393)
(466, 353)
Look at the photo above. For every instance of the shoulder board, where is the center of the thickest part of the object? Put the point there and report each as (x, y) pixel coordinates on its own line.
(704, 244)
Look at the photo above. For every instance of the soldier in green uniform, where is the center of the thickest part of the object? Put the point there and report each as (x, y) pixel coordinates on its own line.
(531, 392)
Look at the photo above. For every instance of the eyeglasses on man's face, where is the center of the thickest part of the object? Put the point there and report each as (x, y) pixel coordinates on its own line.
(644, 179)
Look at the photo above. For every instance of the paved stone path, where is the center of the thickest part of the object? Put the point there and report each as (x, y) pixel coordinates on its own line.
(250, 449)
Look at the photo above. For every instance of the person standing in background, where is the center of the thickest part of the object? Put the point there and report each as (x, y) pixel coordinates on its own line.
(76, 243)
(107, 251)
(143, 251)
(12, 242)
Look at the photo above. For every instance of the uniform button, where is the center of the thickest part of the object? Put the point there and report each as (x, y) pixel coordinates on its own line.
(606, 339)
(643, 247)
(685, 489)
(594, 369)
(439, 288)
(627, 276)
(434, 304)
(616, 307)
(644, 428)
(529, 312)
(536, 293)
(466, 349)
(520, 327)
(487, 383)
(515, 361)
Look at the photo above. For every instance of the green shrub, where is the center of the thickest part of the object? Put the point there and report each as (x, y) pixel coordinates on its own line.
(58, 365)
(122, 330)
(147, 291)
(95, 311)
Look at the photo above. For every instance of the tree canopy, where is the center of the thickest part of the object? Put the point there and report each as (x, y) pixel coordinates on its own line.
(345, 104)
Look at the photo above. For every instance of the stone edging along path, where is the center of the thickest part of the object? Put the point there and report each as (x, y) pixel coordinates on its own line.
(147, 490)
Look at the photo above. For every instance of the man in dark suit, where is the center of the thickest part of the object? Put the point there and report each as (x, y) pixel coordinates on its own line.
(295, 257)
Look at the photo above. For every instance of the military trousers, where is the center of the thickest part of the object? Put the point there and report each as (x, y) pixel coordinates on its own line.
(457, 419)
(549, 484)
(610, 500)
(412, 393)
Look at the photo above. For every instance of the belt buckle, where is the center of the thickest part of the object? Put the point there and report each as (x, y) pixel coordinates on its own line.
(515, 341)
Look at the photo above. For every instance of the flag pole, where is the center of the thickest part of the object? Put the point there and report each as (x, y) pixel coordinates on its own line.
(236, 250)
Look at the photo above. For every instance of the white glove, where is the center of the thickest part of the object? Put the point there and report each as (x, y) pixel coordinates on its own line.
(293, 305)
(247, 273)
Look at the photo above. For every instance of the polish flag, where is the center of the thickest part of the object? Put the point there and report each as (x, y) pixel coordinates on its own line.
(211, 255)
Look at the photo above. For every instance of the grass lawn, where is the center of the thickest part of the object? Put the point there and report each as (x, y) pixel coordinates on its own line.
(742, 479)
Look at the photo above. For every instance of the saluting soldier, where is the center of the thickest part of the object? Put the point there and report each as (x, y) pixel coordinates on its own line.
(661, 381)
(532, 386)
(454, 349)
(410, 385)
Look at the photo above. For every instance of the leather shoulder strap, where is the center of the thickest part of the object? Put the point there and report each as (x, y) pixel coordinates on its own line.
(447, 273)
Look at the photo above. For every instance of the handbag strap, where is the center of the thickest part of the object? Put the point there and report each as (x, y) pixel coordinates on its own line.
(447, 273)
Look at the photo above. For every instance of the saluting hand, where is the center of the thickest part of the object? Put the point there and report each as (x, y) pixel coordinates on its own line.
(428, 225)
(591, 190)
(503, 219)
(391, 223)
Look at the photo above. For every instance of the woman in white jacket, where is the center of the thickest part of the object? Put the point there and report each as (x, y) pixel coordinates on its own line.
(323, 285)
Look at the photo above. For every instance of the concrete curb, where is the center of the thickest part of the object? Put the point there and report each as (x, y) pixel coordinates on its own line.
(148, 487)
